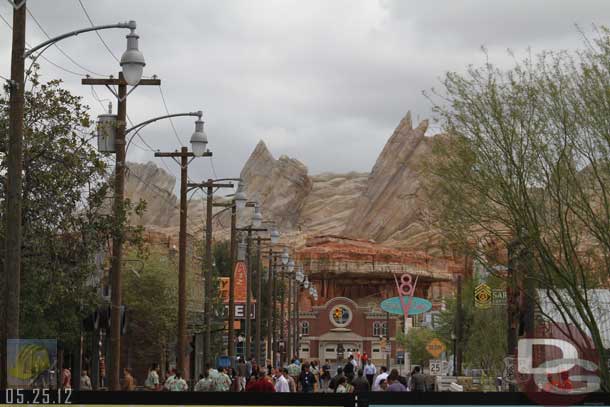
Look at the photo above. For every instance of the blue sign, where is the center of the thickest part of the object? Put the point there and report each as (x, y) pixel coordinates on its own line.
(418, 305)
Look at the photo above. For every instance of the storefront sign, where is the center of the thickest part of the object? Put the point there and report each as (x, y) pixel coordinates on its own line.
(240, 275)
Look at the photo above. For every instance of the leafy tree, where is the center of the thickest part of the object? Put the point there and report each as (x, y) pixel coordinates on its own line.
(415, 342)
(483, 330)
(64, 225)
(151, 298)
(525, 168)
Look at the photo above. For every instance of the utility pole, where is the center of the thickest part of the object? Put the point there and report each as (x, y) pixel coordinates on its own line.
(270, 308)
(12, 258)
(259, 291)
(459, 327)
(231, 335)
(184, 156)
(119, 220)
(289, 322)
(297, 293)
(209, 186)
(248, 327)
(282, 336)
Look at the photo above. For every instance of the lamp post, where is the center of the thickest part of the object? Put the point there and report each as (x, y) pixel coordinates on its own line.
(198, 143)
(301, 281)
(237, 255)
(454, 341)
(290, 308)
(14, 175)
(209, 186)
(254, 226)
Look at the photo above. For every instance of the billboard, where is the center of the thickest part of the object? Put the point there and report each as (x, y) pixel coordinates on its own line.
(31, 363)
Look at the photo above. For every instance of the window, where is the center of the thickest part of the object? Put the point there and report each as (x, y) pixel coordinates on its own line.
(305, 328)
(376, 328)
(380, 329)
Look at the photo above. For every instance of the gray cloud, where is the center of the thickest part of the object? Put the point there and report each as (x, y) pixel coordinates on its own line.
(325, 82)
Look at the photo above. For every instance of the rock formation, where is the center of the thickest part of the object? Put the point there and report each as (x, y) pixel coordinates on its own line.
(386, 205)
(280, 186)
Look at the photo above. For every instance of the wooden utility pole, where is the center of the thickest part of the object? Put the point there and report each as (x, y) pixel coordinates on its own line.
(459, 327)
(231, 335)
(283, 316)
(209, 187)
(289, 322)
(12, 257)
(248, 327)
(184, 156)
(119, 220)
(271, 302)
(259, 291)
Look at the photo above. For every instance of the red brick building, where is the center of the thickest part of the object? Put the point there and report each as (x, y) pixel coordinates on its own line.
(352, 278)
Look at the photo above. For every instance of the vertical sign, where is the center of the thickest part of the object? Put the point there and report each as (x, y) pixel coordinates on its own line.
(224, 288)
(240, 277)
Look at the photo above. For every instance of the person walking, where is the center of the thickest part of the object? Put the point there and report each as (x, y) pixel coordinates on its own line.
(129, 383)
(381, 376)
(222, 381)
(178, 384)
(324, 380)
(394, 385)
(261, 384)
(152, 382)
(335, 380)
(281, 384)
(361, 385)
(85, 381)
(348, 369)
(169, 380)
(242, 372)
(341, 385)
(307, 379)
(418, 380)
(369, 371)
(205, 383)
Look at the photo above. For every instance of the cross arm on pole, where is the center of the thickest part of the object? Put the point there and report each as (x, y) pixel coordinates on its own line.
(181, 154)
(117, 81)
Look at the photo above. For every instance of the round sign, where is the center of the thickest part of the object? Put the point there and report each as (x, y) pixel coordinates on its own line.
(418, 305)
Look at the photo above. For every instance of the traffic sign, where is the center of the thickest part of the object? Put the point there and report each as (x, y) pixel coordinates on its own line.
(435, 347)
(436, 367)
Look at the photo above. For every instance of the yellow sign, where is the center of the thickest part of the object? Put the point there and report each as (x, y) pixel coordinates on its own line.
(482, 296)
(224, 288)
(435, 347)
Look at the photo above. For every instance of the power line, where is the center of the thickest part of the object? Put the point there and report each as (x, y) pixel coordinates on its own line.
(97, 32)
(59, 48)
(43, 57)
(170, 119)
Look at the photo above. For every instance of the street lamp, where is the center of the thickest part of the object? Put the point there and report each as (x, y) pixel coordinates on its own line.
(275, 236)
(257, 218)
(14, 175)
(240, 197)
(132, 60)
(290, 266)
(199, 140)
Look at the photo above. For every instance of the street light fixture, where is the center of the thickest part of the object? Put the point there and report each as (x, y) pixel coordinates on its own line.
(240, 196)
(290, 266)
(257, 218)
(285, 256)
(199, 140)
(275, 236)
(132, 60)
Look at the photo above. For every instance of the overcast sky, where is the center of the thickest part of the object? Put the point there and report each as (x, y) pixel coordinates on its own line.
(323, 81)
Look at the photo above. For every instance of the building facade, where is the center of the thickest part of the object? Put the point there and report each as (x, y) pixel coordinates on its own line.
(352, 278)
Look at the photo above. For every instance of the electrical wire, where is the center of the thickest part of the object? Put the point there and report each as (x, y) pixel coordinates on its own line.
(42, 56)
(170, 119)
(59, 48)
(97, 32)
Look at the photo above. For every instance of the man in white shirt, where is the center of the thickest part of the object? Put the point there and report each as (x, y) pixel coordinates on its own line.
(381, 376)
(369, 372)
(281, 384)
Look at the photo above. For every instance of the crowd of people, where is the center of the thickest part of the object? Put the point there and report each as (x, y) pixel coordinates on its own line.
(297, 376)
